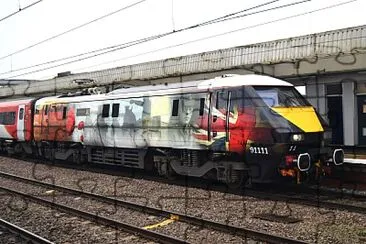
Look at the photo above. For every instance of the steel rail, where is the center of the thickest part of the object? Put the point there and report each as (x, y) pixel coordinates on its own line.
(203, 223)
(328, 190)
(312, 202)
(293, 188)
(25, 234)
(135, 230)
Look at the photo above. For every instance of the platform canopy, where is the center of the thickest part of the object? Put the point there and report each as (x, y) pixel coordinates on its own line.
(332, 51)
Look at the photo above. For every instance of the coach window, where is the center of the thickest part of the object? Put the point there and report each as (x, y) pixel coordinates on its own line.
(7, 118)
(21, 113)
(175, 107)
(10, 118)
(37, 109)
(239, 100)
(105, 111)
(64, 112)
(115, 110)
(221, 99)
(83, 112)
(202, 106)
(46, 110)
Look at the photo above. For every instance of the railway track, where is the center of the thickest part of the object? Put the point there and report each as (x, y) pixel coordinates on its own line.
(307, 199)
(26, 235)
(135, 230)
(194, 182)
(314, 190)
(155, 236)
(312, 195)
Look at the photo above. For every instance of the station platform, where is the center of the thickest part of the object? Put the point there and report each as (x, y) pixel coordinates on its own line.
(354, 154)
(354, 161)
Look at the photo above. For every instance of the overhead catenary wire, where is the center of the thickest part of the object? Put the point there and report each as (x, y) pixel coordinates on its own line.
(104, 16)
(225, 33)
(77, 55)
(72, 29)
(16, 89)
(262, 11)
(92, 54)
(140, 41)
(128, 44)
(19, 10)
(227, 16)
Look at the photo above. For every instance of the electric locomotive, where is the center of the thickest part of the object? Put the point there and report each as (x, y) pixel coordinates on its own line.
(230, 128)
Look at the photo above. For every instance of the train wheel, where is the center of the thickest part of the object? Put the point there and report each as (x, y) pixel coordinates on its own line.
(170, 173)
(18, 150)
(164, 169)
(237, 179)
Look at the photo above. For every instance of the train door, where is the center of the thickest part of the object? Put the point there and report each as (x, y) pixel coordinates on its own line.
(105, 131)
(20, 124)
(335, 117)
(233, 120)
(361, 104)
(45, 123)
(335, 112)
(220, 120)
(56, 122)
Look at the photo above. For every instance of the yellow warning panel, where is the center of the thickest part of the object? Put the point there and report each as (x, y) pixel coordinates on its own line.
(303, 117)
(162, 223)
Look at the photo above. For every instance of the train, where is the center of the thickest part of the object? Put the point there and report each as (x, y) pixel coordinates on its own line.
(231, 128)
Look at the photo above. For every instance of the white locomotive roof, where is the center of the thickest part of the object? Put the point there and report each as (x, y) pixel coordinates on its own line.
(224, 81)
(218, 82)
(243, 80)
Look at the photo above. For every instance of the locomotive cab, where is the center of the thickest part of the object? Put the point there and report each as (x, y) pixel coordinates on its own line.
(297, 148)
(264, 128)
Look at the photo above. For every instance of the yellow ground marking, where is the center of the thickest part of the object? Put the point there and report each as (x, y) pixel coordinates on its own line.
(162, 223)
(303, 117)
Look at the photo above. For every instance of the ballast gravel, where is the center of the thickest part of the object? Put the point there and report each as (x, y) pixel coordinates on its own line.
(7, 237)
(57, 226)
(180, 230)
(315, 224)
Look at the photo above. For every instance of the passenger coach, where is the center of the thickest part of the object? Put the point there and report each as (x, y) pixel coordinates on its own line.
(16, 127)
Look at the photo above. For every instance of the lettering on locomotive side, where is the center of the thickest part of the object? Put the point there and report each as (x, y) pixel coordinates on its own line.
(258, 150)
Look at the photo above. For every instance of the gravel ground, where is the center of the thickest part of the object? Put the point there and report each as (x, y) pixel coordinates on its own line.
(180, 230)
(57, 226)
(7, 237)
(360, 203)
(316, 225)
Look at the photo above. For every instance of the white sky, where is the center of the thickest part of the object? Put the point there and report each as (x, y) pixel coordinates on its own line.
(51, 17)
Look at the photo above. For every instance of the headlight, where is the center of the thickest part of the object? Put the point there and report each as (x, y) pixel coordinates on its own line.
(297, 137)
